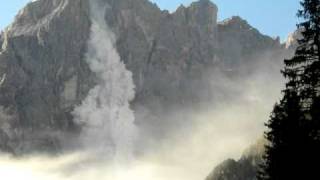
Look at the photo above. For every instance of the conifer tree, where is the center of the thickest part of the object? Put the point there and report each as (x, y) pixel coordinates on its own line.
(294, 127)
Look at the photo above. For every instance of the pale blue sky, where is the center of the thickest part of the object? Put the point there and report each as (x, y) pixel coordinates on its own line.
(271, 17)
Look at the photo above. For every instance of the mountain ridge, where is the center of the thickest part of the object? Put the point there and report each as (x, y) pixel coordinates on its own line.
(172, 57)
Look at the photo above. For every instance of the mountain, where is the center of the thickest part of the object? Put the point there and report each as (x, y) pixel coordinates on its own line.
(172, 56)
(244, 169)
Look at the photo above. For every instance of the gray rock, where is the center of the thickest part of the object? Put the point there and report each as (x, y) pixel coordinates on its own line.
(171, 55)
(43, 50)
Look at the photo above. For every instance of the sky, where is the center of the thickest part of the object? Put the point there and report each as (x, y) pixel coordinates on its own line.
(271, 17)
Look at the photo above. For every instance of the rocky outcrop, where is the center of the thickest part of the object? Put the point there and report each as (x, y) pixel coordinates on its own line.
(238, 40)
(41, 67)
(292, 41)
(44, 75)
(244, 169)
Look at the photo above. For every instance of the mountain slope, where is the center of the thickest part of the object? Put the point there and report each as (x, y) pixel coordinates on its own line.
(44, 75)
(244, 169)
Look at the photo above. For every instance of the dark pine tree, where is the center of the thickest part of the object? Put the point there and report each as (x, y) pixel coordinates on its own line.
(293, 151)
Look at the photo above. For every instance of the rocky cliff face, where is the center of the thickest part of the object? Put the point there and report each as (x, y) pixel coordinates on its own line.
(171, 55)
(43, 74)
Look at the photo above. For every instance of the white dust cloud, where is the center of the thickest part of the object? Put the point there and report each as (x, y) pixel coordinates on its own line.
(109, 131)
(105, 113)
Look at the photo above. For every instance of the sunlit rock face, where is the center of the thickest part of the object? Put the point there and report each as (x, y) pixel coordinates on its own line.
(44, 75)
(292, 41)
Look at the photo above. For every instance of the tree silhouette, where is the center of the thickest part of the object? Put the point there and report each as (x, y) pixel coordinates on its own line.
(294, 127)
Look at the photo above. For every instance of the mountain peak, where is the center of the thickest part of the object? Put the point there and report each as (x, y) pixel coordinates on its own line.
(37, 15)
(236, 22)
(204, 6)
(206, 3)
(201, 14)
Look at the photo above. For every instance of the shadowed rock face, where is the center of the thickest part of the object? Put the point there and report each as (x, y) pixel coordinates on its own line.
(235, 170)
(43, 73)
(244, 169)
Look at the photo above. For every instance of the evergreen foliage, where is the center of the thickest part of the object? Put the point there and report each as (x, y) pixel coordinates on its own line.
(293, 151)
